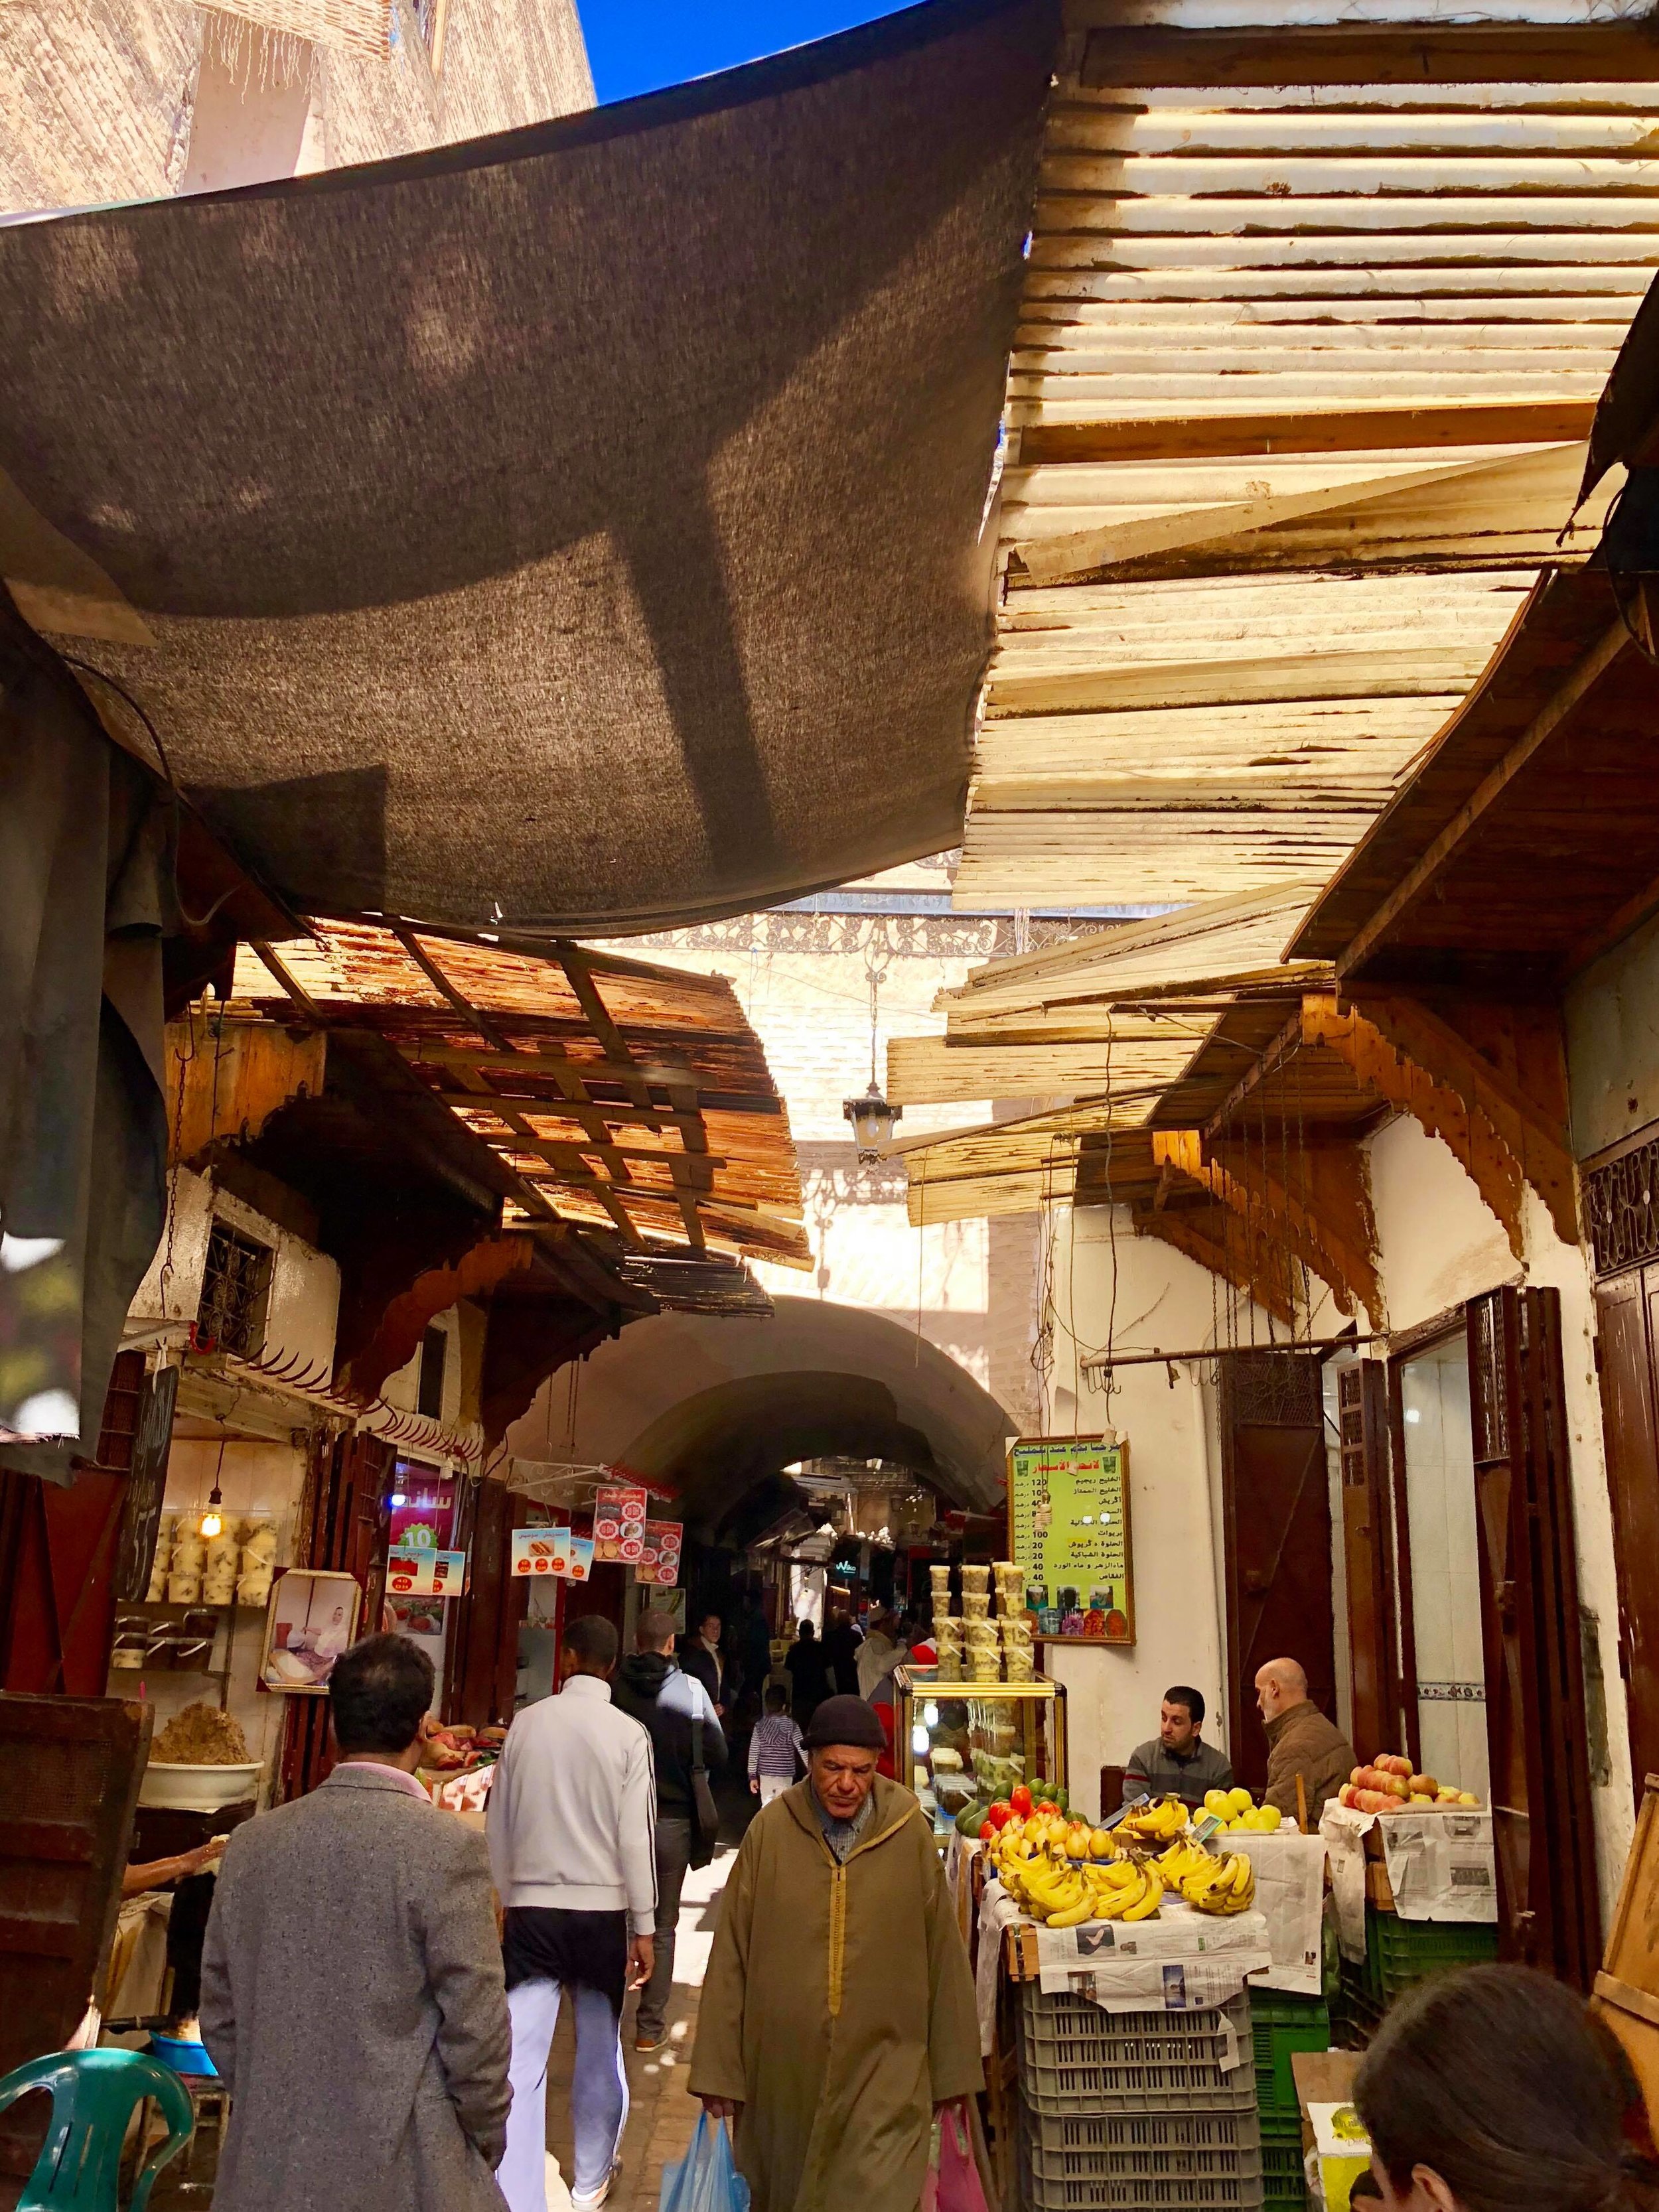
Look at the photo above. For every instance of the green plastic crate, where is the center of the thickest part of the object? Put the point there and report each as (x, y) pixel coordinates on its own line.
(1282, 2025)
(1399, 1953)
(1284, 2181)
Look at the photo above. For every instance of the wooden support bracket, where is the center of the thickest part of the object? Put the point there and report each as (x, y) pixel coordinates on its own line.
(1421, 1064)
(1251, 1262)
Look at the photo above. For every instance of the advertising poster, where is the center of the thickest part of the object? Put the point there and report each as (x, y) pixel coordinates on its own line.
(659, 1560)
(421, 1572)
(1068, 1527)
(556, 1551)
(619, 1511)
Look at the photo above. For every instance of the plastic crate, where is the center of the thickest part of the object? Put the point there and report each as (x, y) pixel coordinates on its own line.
(1399, 1953)
(1194, 2146)
(1047, 2186)
(1282, 2025)
(1284, 2178)
(1075, 2058)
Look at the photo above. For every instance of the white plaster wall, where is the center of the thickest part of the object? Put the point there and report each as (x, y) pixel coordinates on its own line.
(1439, 1243)
(1164, 1300)
(304, 1306)
(1439, 1246)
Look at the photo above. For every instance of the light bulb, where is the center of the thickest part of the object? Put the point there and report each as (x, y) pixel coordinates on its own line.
(918, 1741)
(211, 1523)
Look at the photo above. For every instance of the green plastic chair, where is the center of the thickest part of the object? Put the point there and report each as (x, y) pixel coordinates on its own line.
(92, 2095)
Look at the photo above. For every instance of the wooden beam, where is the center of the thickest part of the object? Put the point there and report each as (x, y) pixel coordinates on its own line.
(230, 1082)
(1265, 1063)
(1585, 673)
(296, 991)
(474, 1083)
(1329, 431)
(1173, 57)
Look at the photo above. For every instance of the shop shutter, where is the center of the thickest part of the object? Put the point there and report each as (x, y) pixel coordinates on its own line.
(1536, 1726)
(1374, 1672)
(1276, 1511)
(1627, 1318)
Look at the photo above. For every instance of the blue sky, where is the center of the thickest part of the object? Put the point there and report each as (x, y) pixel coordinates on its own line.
(637, 46)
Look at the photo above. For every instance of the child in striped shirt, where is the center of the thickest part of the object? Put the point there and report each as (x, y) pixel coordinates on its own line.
(775, 1748)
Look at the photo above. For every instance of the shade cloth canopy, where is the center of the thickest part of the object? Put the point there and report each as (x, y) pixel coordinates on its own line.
(580, 527)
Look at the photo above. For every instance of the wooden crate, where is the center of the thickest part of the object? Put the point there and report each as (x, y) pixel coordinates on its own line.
(1626, 1994)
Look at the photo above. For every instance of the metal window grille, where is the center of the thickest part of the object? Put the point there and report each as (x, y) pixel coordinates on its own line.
(235, 1292)
(1622, 1209)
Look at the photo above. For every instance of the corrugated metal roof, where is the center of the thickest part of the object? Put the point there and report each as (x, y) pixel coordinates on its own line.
(1297, 408)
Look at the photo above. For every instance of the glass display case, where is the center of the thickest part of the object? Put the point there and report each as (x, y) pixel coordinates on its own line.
(958, 1740)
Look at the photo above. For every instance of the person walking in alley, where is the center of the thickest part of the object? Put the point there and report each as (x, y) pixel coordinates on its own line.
(1300, 1740)
(776, 1752)
(351, 1978)
(572, 1826)
(838, 2010)
(809, 1674)
(704, 1658)
(674, 1710)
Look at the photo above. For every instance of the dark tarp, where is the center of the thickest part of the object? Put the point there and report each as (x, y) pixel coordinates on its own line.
(86, 871)
(581, 525)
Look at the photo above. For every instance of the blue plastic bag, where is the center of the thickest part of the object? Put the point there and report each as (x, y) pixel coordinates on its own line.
(706, 2179)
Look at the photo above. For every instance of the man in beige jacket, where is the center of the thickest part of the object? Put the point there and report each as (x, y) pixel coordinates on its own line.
(1300, 1740)
(838, 2010)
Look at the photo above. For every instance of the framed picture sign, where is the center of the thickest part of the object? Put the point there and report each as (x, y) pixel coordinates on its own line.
(1068, 1530)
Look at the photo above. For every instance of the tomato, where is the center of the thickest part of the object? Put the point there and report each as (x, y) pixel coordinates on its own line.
(988, 1833)
(1019, 1801)
(1000, 1814)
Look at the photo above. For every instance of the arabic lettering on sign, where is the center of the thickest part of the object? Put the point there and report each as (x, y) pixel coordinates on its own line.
(1068, 1520)
(422, 1572)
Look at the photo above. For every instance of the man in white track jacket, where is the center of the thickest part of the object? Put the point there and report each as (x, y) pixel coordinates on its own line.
(572, 1825)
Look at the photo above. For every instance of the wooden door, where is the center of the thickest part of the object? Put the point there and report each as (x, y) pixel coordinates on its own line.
(1276, 1518)
(1373, 1665)
(1627, 1321)
(1536, 1726)
(68, 1781)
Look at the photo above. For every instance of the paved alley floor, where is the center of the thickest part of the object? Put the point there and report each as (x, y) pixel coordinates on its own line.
(661, 2113)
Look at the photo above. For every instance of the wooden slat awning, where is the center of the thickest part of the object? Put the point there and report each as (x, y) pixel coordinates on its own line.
(1315, 321)
(615, 1093)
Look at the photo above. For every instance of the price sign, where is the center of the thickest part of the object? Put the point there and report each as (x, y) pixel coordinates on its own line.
(421, 1572)
(619, 1513)
(1068, 1527)
(659, 1560)
(538, 1552)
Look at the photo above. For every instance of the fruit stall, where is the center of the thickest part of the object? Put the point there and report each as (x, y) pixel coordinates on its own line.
(1116, 2000)
(1413, 1884)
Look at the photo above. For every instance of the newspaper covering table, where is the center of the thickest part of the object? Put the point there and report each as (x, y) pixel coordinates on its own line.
(1182, 1961)
(1441, 1866)
(1289, 1894)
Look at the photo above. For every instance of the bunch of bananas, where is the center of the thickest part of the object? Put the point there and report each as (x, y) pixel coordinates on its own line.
(1226, 1884)
(1065, 1896)
(1155, 1824)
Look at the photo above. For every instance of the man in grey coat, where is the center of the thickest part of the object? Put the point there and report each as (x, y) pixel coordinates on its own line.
(352, 1993)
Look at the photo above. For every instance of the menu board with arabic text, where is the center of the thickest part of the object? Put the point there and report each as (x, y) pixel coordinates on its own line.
(1068, 1528)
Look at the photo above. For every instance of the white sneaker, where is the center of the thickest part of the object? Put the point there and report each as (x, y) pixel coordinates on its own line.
(579, 2203)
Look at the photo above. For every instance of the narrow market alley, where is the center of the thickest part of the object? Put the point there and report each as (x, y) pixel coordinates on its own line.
(829, 1014)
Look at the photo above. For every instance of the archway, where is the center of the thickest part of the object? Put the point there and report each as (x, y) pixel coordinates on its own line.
(717, 1408)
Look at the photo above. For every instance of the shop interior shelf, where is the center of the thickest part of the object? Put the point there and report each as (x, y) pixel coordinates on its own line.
(1076, 2058)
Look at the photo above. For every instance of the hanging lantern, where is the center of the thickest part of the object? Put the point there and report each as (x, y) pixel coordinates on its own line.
(872, 1121)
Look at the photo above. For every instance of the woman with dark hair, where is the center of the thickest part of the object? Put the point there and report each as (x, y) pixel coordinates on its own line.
(1493, 2090)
